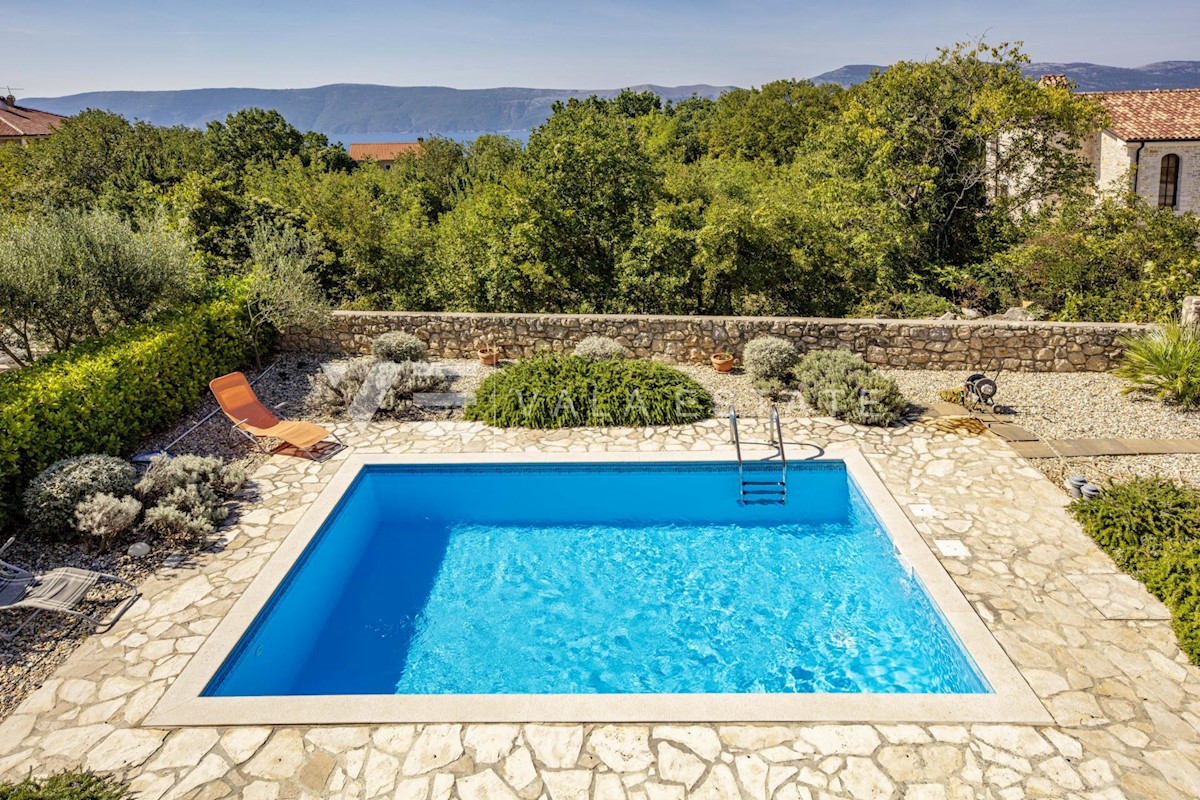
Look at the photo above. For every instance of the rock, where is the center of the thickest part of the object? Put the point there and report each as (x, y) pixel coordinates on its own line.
(701, 740)
(970, 313)
(556, 746)
(568, 785)
(242, 743)
(677, 766)
(127, 747)
(489, 744)
(864, 781)
(281, 757)
(719, 785)
(484, 786)
(435, 747)
(622, 748)
(185, 748)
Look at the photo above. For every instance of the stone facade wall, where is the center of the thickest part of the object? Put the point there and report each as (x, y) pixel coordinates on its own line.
(906, 344)
(1150, 167)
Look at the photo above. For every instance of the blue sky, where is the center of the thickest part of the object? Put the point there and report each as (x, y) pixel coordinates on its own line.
(68, 46)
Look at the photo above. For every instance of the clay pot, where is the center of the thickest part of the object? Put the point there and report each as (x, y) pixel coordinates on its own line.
(722, 362)
(488, 356)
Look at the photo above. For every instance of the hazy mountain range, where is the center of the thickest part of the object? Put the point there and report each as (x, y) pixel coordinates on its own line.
(364, 113)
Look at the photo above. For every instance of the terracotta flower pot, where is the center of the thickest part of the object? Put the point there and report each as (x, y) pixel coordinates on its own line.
(722, 362)
(488, 356)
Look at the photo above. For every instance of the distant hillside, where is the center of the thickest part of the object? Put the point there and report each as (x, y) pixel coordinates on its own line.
(368, 113)
(356, 112)
(1089, 77)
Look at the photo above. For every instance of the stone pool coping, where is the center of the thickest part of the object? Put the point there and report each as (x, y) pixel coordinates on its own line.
(1011, 701)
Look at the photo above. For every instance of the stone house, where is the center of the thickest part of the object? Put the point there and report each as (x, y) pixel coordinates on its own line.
(19, 124)
(1152, 141)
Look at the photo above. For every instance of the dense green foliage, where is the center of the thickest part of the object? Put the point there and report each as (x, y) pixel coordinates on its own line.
(842, 385)
(1151, 528)
(106, 395)
(565, 391)
(769, 358)
(888, 198)
(1164, 363)
(66, 786)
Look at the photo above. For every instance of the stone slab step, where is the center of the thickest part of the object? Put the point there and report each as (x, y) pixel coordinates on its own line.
(1012, 433)
(1077, 448)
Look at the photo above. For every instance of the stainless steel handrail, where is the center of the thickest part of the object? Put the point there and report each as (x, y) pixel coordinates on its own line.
(737, 444)
(779, 442)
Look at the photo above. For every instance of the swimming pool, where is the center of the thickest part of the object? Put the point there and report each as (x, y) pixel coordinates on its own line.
(597, 578)
(605, 588)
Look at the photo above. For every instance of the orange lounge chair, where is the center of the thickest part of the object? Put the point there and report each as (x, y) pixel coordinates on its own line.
(254, 421)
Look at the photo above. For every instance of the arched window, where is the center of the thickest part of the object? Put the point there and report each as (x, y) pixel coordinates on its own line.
(1168, 181)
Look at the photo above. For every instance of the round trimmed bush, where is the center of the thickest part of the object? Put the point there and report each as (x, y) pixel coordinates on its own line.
(600, 348)
(565, 391)
(842, 385)
(51, 498)
(769, 358)
(399, 346)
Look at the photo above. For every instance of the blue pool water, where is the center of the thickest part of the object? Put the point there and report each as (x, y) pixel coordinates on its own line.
(529, 579)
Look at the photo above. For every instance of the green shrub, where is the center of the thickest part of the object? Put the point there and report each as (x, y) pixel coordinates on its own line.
(556, 391)
(1151, 529)
(769, 358)
(1165, 363)
(186, 496)
(906, 305)
(842, 385)
(599, 348)
(399, 346)
(108, 394)
(104, 517)
(52, 497)
(166, 474)
(66, 786)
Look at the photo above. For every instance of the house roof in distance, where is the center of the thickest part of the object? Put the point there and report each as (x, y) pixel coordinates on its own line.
(17, 122)
(1157, 115)
(383, 151)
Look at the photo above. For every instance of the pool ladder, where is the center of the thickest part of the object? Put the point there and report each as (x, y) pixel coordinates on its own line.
(761, 492)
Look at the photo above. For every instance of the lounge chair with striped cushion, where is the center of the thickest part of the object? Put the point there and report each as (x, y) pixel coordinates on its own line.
(59, 590)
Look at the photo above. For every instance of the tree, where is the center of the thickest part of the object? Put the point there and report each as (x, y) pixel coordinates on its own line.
(282, 289)
(957, 148)
(252, 135)
(72, 274)
(770, 122)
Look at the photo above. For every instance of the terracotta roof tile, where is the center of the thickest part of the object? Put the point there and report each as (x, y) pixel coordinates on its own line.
(16, 122)
(382, 151)
(1158, 115)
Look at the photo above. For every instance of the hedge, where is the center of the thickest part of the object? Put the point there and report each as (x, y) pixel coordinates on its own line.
(107, 395)
(1151, 529)
(564, 391)
(70, 785)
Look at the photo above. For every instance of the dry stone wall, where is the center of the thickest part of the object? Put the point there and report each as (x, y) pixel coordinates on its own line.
(903, 344)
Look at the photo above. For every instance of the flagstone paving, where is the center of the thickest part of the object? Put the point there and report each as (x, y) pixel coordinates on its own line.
(1093, 646)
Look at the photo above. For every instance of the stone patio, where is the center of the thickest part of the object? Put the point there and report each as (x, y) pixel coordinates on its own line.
(1093, 645)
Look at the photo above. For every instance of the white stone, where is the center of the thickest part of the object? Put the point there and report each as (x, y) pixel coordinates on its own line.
(752, 772)
(241, 743)
(261, 790)
(484, 785)
(74, 742)
(701, 740)
(212, 768)
(664, 791)
(379, 776)
(435, 747)
(279, 758)
(556, 746)
(608, 787)
(719, 785)
(394, 739)
(412, 789)
(567, 784)
(865, 781)
(678, 766)
(952, 548)
(489, 744)
(185, 748)
(622, 748)
(842, 739)
(1019, 740)
(14, 730)
(338, 739)
(519, 770)
(126, 747)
